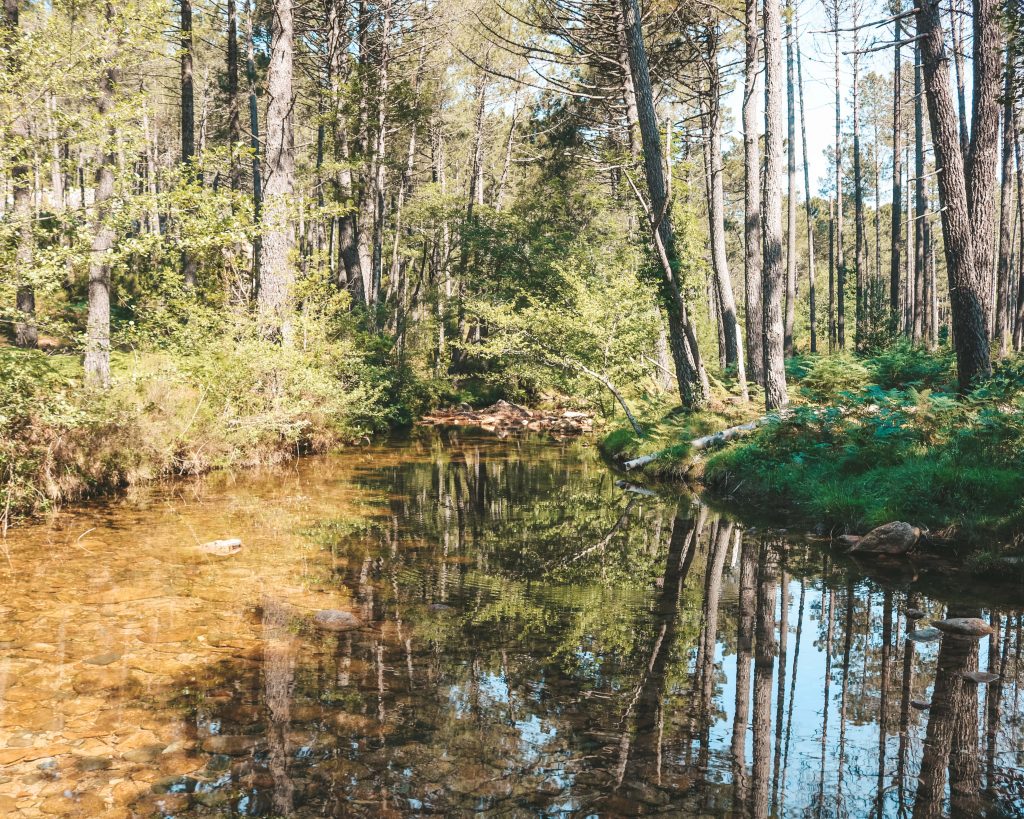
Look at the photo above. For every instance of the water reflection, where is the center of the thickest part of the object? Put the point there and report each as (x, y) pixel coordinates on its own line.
(537, 641)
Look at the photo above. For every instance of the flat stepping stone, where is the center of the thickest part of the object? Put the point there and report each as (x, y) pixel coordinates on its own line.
(924, 635)
(914, 614)
(980, 677)
(964, 626)
(222, 548)
(920, 705)
(337, 620)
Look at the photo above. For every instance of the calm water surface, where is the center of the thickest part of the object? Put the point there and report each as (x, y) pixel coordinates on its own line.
(536, 642)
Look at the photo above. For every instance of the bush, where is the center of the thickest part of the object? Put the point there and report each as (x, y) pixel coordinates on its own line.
(828, 378)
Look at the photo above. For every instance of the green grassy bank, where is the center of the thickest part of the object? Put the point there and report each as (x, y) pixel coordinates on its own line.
(868, 440)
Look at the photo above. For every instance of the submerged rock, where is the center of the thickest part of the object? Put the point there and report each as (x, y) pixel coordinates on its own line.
(964, 626)
(924, 635)
(980, 677)
(230, 745)
(222, 548)
(896, 538)
(337, 620)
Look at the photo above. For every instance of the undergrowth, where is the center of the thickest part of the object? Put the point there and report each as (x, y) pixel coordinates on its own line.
(873, 439)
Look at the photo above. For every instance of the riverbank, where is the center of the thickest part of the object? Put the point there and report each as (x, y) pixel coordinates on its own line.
(866, 441)
(240, 403)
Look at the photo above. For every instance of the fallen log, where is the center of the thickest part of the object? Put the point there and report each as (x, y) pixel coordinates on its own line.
(705, 442)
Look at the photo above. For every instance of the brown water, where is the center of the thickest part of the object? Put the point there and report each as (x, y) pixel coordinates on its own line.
(537, 642)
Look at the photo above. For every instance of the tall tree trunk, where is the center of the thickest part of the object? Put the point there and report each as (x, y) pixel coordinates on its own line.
(254, 144)
(920, 204)
(690, 374)
(1018, 322)
(897, 180)
(966, 282)
(840, 251)
(790, 319)
(97, 331)
(277, 275)
(752, 199)
(982, 160)
(764, 669)
(379, 160)
(716, 220)
(1002, 324)
(234, 104)
(188, 123)
(25, 332)
(860, 240)
(808, 207)
(771, 209)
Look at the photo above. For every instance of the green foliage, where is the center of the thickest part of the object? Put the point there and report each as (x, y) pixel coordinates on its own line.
(827, 378)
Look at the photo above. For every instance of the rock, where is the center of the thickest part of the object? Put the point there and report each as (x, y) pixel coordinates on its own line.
(222, 548)
(175, 784)
(103, 659)
(920, 705)
(963, 626)
(980, 677)
(896, 538)
(230, 745)
(914, 614)
(849, 541)
(337, 620)
(924, 635)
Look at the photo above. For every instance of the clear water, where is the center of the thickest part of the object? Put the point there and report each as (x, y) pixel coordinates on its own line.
(536, 642)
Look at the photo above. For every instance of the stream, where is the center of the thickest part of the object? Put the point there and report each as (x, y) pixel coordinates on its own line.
(536, 641)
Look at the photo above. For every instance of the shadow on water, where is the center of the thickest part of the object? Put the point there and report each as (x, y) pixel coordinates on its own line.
(535, 641)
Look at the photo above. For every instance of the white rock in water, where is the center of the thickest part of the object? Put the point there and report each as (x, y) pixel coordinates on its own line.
(924, 635)
(222, 548)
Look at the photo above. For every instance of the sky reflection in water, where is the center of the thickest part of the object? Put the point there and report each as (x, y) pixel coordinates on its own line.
(537, 642)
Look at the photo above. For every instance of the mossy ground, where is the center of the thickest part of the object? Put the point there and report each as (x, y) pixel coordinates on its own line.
(869, 440)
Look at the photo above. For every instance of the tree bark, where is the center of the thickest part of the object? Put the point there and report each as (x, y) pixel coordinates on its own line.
(897, 183)
(188, 125)
(277, 274)
(716, 220)
(860, 240)
(692, 380)
(840, 252)
(808, 207)
(752, 200)
(1002, 324)
(920, 204)
(982, 160)
(790, 319)
(234, 105)
(97, 332)
(771, 208)
(966, 282)
(25, 332)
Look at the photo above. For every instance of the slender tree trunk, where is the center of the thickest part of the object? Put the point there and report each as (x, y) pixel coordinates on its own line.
(234, 103)
(808, 207)
(254, 144)
(25, 332)
(1002, 324)
(790, 319)
(920, 204)
(188, 125)
(860, 240)
(690, 374)
(764, 669)
(897, 181)
(277, 274)
(1018, 328)
(966, 282)
(771, 208)
(97, 332)
(832, 336)
(840, 251)
(716, 219)
(752, 200)
(379, 163)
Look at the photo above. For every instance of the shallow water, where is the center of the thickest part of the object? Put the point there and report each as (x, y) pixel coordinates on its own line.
(536, 642)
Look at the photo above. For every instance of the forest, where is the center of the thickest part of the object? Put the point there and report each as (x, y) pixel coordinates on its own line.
(235, 232)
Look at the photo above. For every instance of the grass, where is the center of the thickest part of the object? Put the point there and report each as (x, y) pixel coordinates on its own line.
(867, 441)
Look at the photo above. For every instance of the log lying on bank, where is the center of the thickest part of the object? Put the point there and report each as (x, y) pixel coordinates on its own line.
(706, 442)
(505, 417)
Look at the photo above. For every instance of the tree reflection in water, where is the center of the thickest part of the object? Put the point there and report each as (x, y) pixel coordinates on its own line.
(540, 642)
